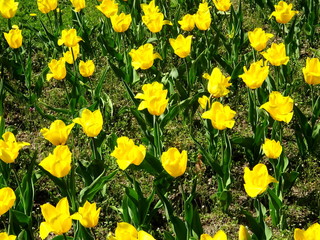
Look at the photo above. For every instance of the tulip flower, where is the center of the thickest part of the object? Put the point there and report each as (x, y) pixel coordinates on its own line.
(7, 199)
(126, 231)
(154, 98)
(128, 153)
(257, 180)
(259, 39)
(8, 8)
(69, 38)
(9, 147)
(220, 235)
(222, 5)
(279, 107)
(143, 57)
(58, 132)
(256, 75)
(312, 233)
(78, 4)
(58, 69)
(46, 6)
(187, 22)
(276, 55)
(14, 38)
(155, 22)
(221, 116)
(88, 215)
(218, 83)
(311, 71)
(121, 23)
(5, 236)
(108, 8)
(181, 45)
(150, 8)
(68, 57)
(283, 12)
(204, 101)
(243, 233)
(271, 148)
(91, 122)
(57, 219)
(58, 163)
(203, 18)
(86, 68)
(174, 162)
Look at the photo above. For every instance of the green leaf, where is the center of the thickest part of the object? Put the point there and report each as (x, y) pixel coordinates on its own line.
(21, 218)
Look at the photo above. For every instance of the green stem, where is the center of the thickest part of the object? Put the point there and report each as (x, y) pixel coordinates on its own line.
(156, 133)
(188, 79)
(20, 189)
(65, 236)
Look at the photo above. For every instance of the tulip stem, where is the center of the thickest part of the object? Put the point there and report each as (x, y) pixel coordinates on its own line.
(312, 98)
(156, 135)
(65, 236)
(187, 71)
(20, 189)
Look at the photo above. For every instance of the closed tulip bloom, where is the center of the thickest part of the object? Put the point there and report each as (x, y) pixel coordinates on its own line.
(279, 107)
(203, 18)
(243, 233)
(58, 69)
(154, 98)
(91, 122)
(69, 38)
(108, 8)
(46, 6)
(312, 233)
(121, 23)
(276, 55)
(150, 8)
(256, 75)
(283, 12)
(271, 148)
(5, 236)
(155, 22)
(128, 153)
(222, 5)
(78, 4)
(311, 71)
(181, 45)
(220, 235)
(174, 162)
(9, 147)
(187, 22)
(143, 57)
(126, 231)
(14, 38)
(259, 39)
(68, 54)
(218, 83)
(58, 163)
(86, 68)
(8, 8)
(221, 116)
(204, 101)
(57, 219)
(88, 215)
(256, 181)
(58, 132)
(7, 199)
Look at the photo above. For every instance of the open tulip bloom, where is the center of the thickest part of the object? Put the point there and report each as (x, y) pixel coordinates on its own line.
(7, 199)
(143, 57)
(91, 122)
(311, 71)
(174, 162)
(220, 235)
(88, 215)
(45, 6)
(312, 233)
(5, 236)
(58, 132)
(127, 231)
(14, 38)
(283, 12)
(8, 8)
(181, 45)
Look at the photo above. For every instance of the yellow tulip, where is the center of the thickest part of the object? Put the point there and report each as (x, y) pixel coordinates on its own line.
(143, 57)
(271, 148)
(203, 18)
(312, 233)
(257, 180)
(243, 233)
(58, 132)
(187, 22)
(121, 23)
(9, 147)
(220, 235)
(128, 153)
(174, 162)
(5, 236)
(7, 199)
(57, 219)
(155, 22)
(58, 163)
(86, 68)
(218, 83)
(46, 6)
(58, 69)
(283, 12)
(279, 107)
(276, 55)
(221, 116)
(181, 45)
(126, 231)
(222, 5)
(204, 101)
(8, 8)
(69, 38)
(256, 75)
(88, 215)
(91, 122)
(154, 98)
(150, 8)
(311, 71)
(108, 8)
(78, 4)
(14, 38)
(259, 39)
(68, 54)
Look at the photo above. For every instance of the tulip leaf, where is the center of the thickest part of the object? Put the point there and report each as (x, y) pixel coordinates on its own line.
(288, 180)
(61, 237)
(21, 218)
